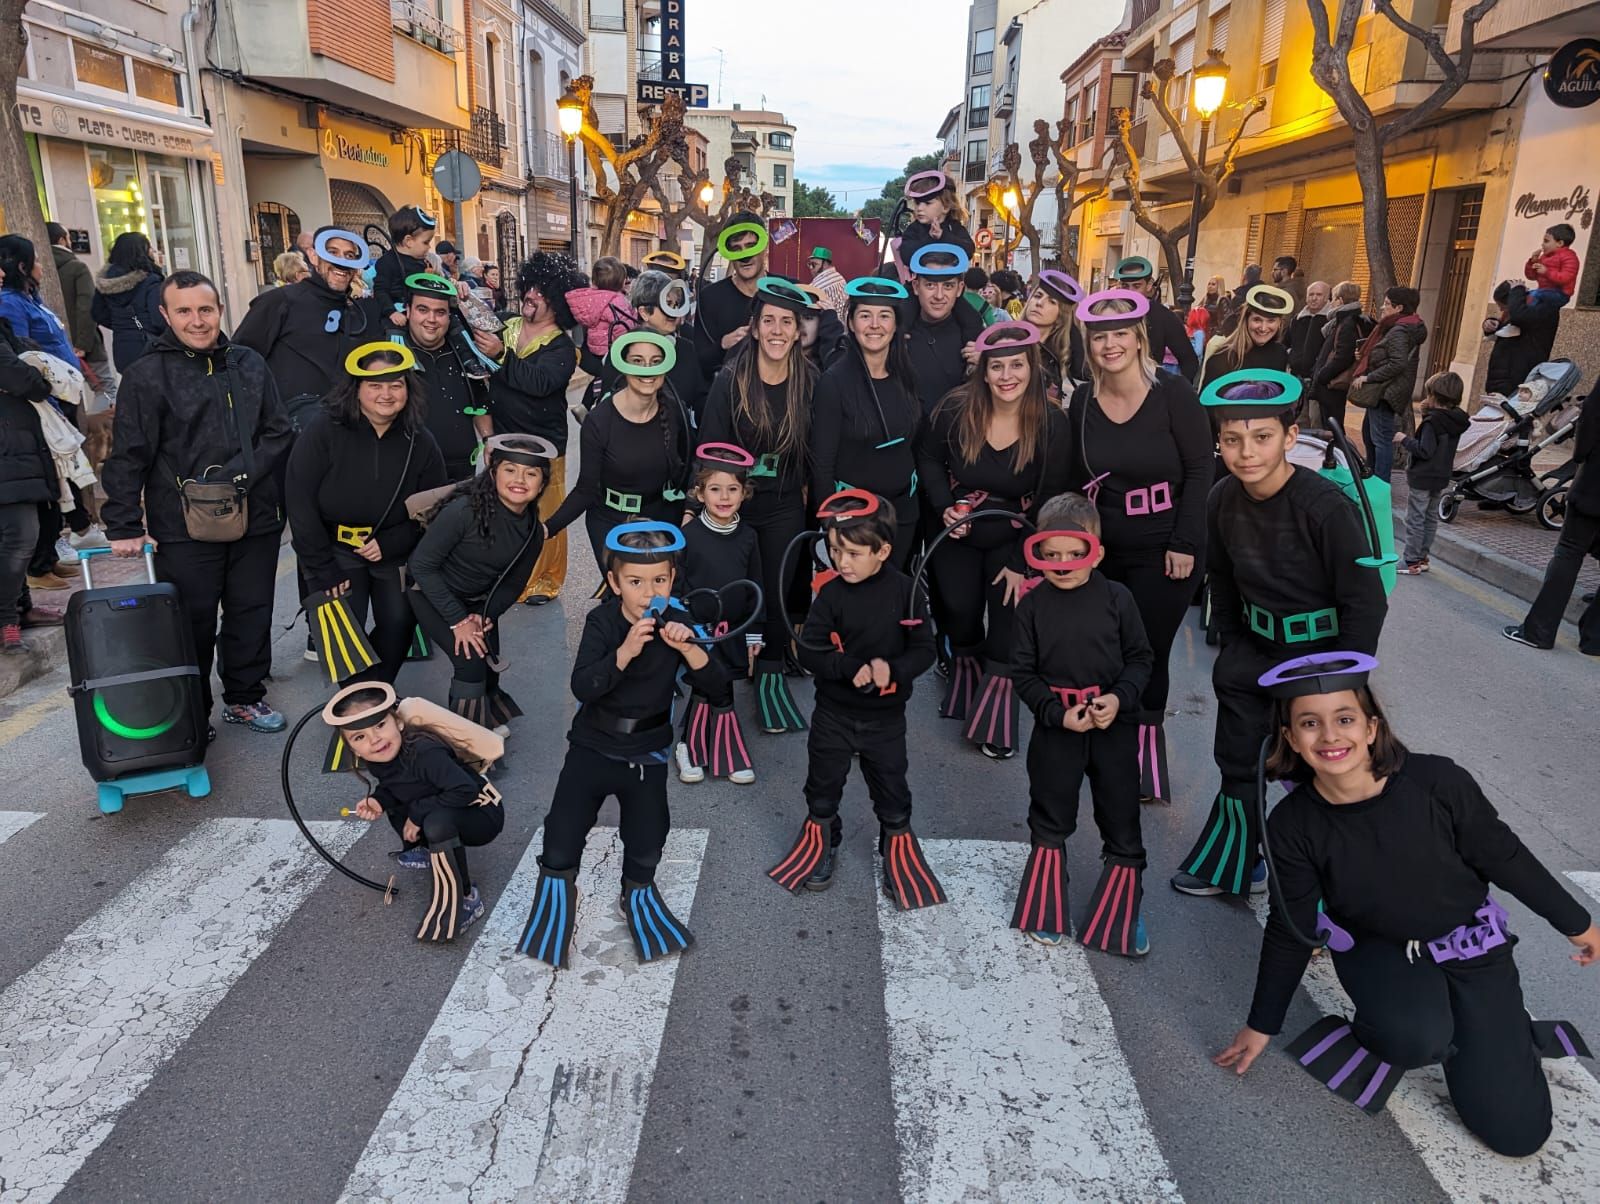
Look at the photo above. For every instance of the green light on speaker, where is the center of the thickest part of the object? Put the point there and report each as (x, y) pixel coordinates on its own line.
(117, 728)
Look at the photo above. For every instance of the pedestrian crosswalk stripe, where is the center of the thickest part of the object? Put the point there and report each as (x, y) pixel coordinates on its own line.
(1464, 1168)
(12, 822)
(84, 1031)
(1587, 881)
(1008, 1079)
(532, 1083)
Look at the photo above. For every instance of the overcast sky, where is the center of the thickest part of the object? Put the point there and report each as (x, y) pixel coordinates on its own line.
(865, 82)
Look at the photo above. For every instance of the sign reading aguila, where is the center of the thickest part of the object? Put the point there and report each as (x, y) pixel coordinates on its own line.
(1575, 204)
(337, 147)
(654, 91)
(1572, 78)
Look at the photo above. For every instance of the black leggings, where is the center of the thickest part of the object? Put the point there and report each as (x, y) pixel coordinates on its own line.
(377, 587)
(587, 779)
(1468, 1015)
(777, 518)
(1163, 602)
(472, 827)
(1057, 762)
(963, 579)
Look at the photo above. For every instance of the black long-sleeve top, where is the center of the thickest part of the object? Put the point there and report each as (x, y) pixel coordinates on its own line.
(685, 383)
(1273, 356)
(629, 457)
(1412, 864)
(389, 280)
(288, 327)
(721, 425)
(935, 351)
(1292, 553)
(451, 393)
(1168, 440)
(944, 476)
(528, 395)
(637, 696)
(425, 778)
(350, 476)
(456, 566)
(1089, 636)
(851, 420)
(719, 309)
(867, 618)
(711, 559)
(1166, 332)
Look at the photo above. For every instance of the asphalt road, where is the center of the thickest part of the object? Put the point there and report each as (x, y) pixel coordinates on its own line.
(195, 1010)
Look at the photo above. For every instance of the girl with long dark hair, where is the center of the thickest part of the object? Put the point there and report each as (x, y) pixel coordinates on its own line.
(1051, 306)
(30, 318)
(127, 297)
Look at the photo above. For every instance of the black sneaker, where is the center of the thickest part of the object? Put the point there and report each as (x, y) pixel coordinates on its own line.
(995, 753)
(822, 877)
(1516, 635)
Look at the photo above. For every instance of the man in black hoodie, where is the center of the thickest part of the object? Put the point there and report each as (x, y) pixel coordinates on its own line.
(1163, 328)
(198, 407)
(941, 324)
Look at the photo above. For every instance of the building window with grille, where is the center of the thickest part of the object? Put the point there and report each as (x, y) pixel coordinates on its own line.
(607, 14)
(1087, 112)
(780, 176)
(978, 108)
(977, 160)
(983, 52)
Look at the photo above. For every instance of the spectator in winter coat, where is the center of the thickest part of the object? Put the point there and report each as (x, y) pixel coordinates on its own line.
(77, 291)
(1433, 455)
(127, 298)
(1524, 335)
(1386, 374)
(1305, 330)
(27, 484)
(1342, 334)
(1252, 277)
(198, 407)
(602, 310)
(1286, 274)
(20, 271)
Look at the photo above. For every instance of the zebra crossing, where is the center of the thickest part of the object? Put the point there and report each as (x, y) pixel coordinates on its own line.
(1007, 1071)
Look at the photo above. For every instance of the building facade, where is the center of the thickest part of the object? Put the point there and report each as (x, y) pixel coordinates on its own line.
(977, 107)
(763, 142)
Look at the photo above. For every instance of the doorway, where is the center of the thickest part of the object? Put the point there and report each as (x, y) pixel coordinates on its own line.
(1457, 273)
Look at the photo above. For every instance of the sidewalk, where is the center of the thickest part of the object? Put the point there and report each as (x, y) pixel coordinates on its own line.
(47, 646)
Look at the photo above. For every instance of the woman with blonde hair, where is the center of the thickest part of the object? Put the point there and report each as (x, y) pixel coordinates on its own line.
(1257, 342)
(290, 268)
(1142, 452)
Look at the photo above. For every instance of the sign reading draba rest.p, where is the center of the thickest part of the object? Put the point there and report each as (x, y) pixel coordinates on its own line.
(673, 59)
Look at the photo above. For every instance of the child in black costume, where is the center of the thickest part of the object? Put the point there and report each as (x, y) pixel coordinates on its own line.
(719, 550)
(411, 234)
(624, 678)
(439, 806)
(1387, 857)
(1289, 573)
(865, 645)
(1080, 664)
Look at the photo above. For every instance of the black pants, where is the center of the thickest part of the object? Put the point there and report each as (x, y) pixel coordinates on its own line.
(974, 614)
(238, 579)
(471, 827)
(19, 531)
(587, 779)
(1163, 602)
(777, 517)
(880, 739)
(1580, 535)
(1466, 1014)
(471, 670)
(1057, 763)
(377, 587)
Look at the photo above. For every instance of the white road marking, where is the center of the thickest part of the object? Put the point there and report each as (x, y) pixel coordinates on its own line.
(1568, 1167)
(84, 1031)
(1013, 1094)
(1587, 881)
(12, 822)
(532, 1083)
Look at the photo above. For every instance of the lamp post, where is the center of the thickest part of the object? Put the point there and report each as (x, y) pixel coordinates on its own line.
(1011, 204)
(1210, 86)
(569, 113)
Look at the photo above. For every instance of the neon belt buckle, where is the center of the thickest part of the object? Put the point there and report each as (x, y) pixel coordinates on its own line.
(669, 494)
(1261, 621)
(627, 503)
(1072, 699)
(841, 486)
(1310, 626)
(1151, 500)
(355, 537)
(766, 465)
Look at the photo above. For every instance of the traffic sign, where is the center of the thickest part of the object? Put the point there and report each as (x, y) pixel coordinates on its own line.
(457, 176)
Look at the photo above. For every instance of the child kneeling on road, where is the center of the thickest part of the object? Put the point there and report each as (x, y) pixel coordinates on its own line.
(1081, 662)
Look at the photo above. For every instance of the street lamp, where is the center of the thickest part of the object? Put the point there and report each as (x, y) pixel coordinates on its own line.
(1210, 86)
(1011, 204)
(569, 115)
(708, 193)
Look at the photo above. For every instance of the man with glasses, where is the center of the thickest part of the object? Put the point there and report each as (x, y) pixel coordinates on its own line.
(722, 315)
(457, 393)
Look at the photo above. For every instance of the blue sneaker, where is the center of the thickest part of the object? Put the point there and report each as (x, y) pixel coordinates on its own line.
(257, 716)
(1141, 940)
(471, 910)
(413, 859)
(1258, 879)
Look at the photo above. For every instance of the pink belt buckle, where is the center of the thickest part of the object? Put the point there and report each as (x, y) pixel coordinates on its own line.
(1072, 698)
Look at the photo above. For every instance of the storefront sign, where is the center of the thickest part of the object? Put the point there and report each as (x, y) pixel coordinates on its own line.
(1572, 78)
(673, 58)
(1556, 179)
(337, 146)
(556, 221)
(42, 114)
(1576, 206)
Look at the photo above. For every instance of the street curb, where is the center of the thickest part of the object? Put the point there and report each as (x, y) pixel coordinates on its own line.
(1510, 576)
(47, 648)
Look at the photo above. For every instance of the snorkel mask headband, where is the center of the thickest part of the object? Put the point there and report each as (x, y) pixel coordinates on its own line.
(676, 309)
(669, 261)
(1318, 673)
(370, 717)
(920, 266)
(786, 294)
(362, 255)
(876, 288)
(734, 231)
(1005, 337)
(430, 284)
(725, 455)
(615, 536)
(1113, 320)
(926, 185)
(619, 360)
(531, 451)
(834, 507)
(1031, 551)
(1275, 302)
(353, 361)
(1257, 391)
(1061, 286)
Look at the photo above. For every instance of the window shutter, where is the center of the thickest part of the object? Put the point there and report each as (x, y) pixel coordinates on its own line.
(1183, 57)
(1271, 30)
(1219, 31)
(1183, 24)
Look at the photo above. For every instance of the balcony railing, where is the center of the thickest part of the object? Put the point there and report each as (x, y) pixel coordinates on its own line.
(1006, 103)
(1143, 12)
(976, 171)
(549, 156)
(983, 63)
(978, 119)
(486, 139)
(649, 64)
(417, 23)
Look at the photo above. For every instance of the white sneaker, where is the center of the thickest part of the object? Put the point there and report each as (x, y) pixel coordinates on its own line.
(94, 537)
(742, 777)
(502, 731)
(688, 772)
(65, 551)
(1509, 331)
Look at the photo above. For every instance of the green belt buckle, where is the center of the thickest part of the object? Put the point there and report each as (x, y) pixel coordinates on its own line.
(1310, 626)
(766, 465)
(475, 411)
(1261, 621)
(669, 494)
(627, 503)
(841, 486)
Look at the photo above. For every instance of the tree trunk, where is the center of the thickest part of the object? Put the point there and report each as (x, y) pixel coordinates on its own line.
(1374, 214)
(19, 196)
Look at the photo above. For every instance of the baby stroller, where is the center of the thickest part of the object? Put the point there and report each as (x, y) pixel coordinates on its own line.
(1494, 460)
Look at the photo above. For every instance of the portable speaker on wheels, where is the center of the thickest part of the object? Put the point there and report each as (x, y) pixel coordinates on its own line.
(135, 687)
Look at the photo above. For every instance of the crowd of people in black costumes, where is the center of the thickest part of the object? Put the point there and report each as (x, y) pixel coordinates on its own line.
(1029, 504)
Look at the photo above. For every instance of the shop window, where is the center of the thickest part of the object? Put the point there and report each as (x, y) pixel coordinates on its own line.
(173, 228)
(99, 68)
(119, 199)
(158, 84)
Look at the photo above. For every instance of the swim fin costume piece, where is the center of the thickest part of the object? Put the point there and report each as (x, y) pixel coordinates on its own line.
(775, 704)
(993, 717)
(1333, 1056)
(907, 879)
(1558, 1039)
(714, 738)
(791, 873)
(655, 930)
(1042, 897)
(1154, 784)
(338, 758)
(341, 641)
(962, 687)
(1113, 920)
(548, 934)
(1225, 851)
(420, 649)
(444, 908)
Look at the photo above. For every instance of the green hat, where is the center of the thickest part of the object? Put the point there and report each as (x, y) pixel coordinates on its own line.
(822, 253)
(1135, 267)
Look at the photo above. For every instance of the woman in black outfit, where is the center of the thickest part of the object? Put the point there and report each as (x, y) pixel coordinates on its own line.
(349, 475)
(1142, 452)
(470, 566)
(649, 295)
(1052, 306)
(1341, 343)
(995, 443)
(761, 401)
(866, 419)
(1258, 340)
(634, 447)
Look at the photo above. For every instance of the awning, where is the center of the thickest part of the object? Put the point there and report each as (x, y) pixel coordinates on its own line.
(56, 115)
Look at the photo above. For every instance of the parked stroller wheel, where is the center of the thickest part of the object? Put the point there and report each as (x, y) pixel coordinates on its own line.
(1449, 506)
(1552, 509)
(1523, 503)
